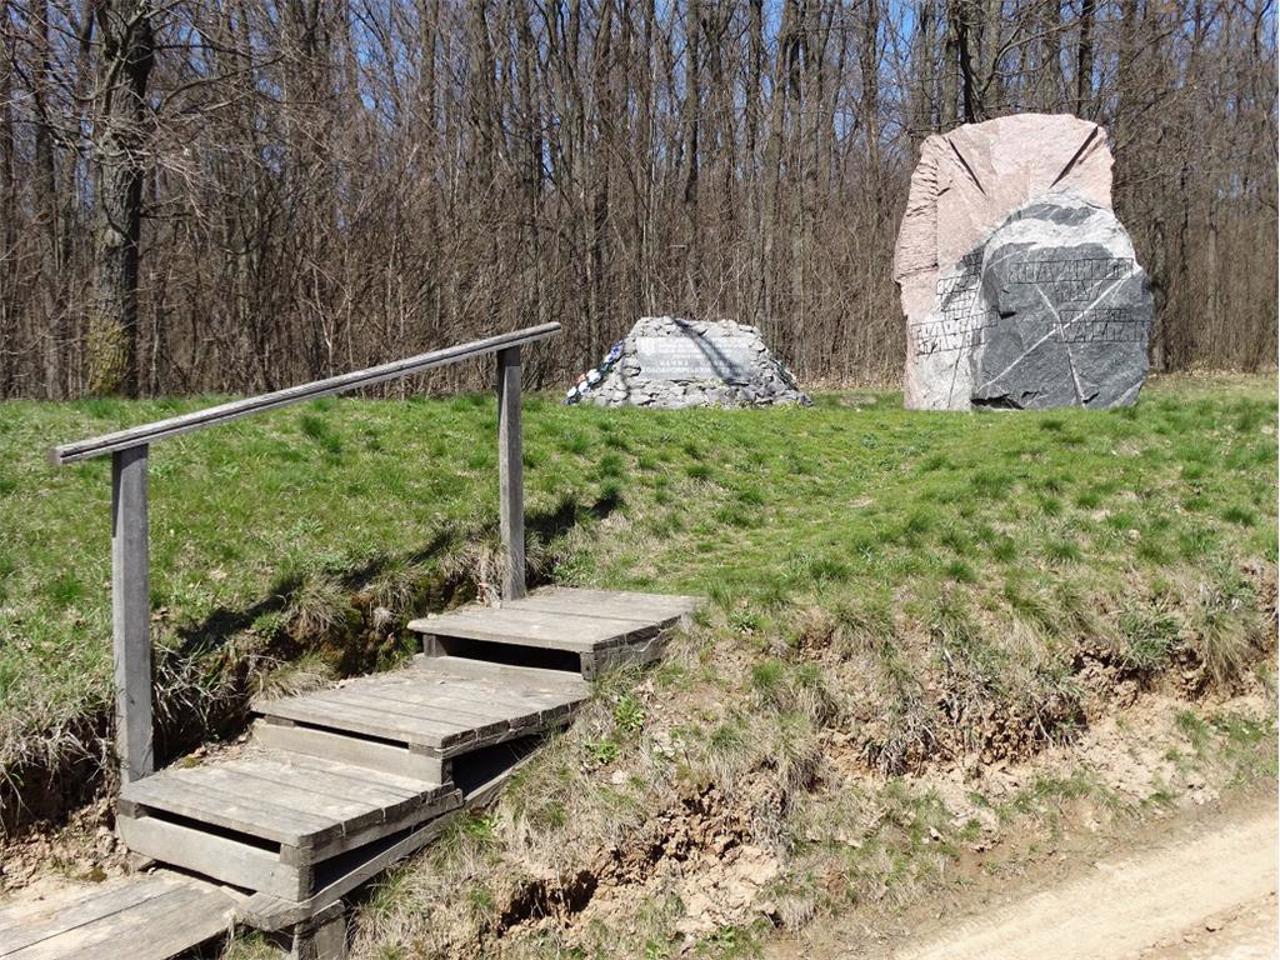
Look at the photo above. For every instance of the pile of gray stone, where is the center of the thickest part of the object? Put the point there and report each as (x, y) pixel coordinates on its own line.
(670, 363)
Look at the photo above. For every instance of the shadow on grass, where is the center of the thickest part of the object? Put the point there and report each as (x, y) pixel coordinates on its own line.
(545, 527)
(204, 684)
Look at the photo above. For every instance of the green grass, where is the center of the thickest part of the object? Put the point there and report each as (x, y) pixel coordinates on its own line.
(279, 535)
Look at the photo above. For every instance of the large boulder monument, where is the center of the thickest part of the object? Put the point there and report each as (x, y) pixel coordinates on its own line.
(670, 363)
(1020, 287)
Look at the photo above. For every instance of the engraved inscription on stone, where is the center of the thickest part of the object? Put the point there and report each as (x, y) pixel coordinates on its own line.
(695, 357)
(1086, 269)
(1064, 281)
(671, 363)
(1103, 325)
(963, 320)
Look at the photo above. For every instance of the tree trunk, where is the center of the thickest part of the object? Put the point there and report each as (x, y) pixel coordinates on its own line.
(924, 93)
(950, 66)
(1084, 60)
(46, 185)
(8, 215)
(119, 140)
(1050, 78)
(960, 34)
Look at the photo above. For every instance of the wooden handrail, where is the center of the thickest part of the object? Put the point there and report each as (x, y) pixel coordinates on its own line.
(130, 564)
(225, 412)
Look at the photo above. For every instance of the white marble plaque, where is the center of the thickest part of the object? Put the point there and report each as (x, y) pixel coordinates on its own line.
(694, 357)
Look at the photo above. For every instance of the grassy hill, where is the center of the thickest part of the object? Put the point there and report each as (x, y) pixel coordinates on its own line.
(920, 588)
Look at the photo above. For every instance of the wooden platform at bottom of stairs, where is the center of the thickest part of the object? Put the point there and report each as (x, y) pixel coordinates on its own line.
(340, 784)
(270, 820)
(158, 915)
(357, 772)
(149, 917)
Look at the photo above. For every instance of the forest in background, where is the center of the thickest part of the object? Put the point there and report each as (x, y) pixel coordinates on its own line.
(237, 195)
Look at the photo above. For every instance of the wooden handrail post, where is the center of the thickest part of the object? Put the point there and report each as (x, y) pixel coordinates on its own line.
(510, 474)
(131, 612)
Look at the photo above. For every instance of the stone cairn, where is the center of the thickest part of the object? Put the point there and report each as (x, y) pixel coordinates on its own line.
(1020, 287)
(669, 363)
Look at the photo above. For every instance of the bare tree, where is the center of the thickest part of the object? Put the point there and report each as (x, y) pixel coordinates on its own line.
(278, 189)
(119, 154)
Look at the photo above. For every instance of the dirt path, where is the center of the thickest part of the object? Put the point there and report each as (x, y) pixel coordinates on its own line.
(1201, 889)
(1209, 899)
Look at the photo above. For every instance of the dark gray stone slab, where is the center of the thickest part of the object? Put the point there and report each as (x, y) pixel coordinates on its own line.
(1051, 310)
(1067, 312)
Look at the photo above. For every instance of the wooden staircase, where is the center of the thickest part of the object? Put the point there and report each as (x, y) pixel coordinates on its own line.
(338, 784)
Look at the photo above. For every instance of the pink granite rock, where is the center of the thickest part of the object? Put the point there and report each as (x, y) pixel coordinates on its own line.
(966, 184)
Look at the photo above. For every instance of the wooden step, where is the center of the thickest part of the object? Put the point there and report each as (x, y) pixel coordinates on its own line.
(602, 628)
(269, 820)
(663, 609)
(157, 915)
(270, 913)
(413, 722)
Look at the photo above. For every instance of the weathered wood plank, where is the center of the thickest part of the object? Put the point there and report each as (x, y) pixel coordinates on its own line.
(559, 682)
(353, 838)
(607, 605)
(401, 700)
(491, 715)
(322, 937)
(308, 793)
(313, 808)
(479, 726)
(379, 757)
(511, 692)
(510, 733)
(580, 628)
(214, 856)
(337, 784)
(514, 715)
(225, 412)
(445, 728)
(387, 719)
(585, 608)
(361, 719)
(131, 613)
(359, 780)
(511, 703)
(510, 473)
(210, 796)
(158, 929)
(268, 912)
(469, 701)
(535, 628)
(354, 696)
(25, 923)
(611, 658)
(469, 719)
(187, 913)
